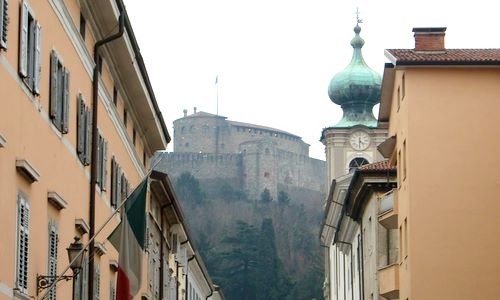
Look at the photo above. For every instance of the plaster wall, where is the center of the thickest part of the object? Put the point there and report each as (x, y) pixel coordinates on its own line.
(448, 119)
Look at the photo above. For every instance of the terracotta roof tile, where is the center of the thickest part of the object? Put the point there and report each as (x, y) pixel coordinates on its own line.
(448, 56)
(378, 166)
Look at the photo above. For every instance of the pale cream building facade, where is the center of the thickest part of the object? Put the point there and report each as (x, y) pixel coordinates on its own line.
(47, 78)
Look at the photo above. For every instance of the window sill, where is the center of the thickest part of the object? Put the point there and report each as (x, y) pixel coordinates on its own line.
(18, 295)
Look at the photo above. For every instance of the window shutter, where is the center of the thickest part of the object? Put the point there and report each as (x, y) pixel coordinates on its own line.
(112, 290)
(165, 277)
(124, 184)
(77, 287)
(23, 40)
(99, 160)
(118, 186)
(4, 22)
(65, 101)
(85, 276)
(23, 216)
(54, 62)
(113, 182)
(104, 165)
(80, 125)
(97, 285)
(36, 60)
(88, 135)
(52, 256)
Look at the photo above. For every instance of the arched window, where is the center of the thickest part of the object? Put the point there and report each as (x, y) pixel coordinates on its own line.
(356, 163)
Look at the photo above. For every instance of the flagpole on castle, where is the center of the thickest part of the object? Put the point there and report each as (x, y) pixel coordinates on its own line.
(217, 91)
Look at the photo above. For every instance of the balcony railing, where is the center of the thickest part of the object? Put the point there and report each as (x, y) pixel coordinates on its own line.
(388, 210)
(388, 281)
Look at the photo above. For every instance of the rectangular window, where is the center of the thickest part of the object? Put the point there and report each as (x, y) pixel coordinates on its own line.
(116, 183)
(399, 97)
(404, 160)
(29, 49)
(403, 87)
(102, 172)
(52, 256)
(134, 136)
(4, 22)
(125, 117)
(144, 158)
(115, 95)
(23, 218)
(83, 25)
(399, 164)
(84, 131)
(59, 93)
(124, 187)
(405, 228)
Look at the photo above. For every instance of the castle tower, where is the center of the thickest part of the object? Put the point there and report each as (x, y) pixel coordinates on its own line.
(353, 140)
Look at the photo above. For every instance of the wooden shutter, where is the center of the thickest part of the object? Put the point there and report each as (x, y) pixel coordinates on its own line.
(80, 127)
(4, 22)
(88, 135)
(97, 283)
(104, 165)
(23, 217)
(36, 60)
(166, 276)
(99, 160)
(65, 101)
(119, 175)
(23, 40)
(113, 185)
(54, 99)
(112, 290)
(52, 256)
(85, 276)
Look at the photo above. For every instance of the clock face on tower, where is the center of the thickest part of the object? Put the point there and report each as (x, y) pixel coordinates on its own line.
(359, 140)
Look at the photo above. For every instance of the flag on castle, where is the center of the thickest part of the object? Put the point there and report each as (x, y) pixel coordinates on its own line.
(129, 239)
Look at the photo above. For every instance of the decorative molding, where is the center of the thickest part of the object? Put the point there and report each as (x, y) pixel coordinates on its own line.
(56, 200)
(113, 265)
(82, 226)
(2, 141)
(26, 169)
(100, 249)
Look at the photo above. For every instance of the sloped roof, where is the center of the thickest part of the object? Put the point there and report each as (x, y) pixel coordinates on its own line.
(378, 166)
(445, 57)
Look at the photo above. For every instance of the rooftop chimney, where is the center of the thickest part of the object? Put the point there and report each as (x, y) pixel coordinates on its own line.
(185, 111)
(194, 108)
(429, 38)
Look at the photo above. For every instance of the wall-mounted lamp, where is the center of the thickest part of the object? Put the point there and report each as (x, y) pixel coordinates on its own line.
(74, 249)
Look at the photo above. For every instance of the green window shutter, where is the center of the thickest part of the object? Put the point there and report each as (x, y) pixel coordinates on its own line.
(36, 60)
(118, 186)
(99, 160)
(88, 135)
(113, 182)
(104, 165)
(80, 127)
(23, 216)
(23, 40)
(4, 22)
(112, 289)
(52, 256)
(65, 101)
(53, 105)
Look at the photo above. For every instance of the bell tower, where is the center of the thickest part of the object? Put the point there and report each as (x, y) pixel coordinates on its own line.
(353, 141)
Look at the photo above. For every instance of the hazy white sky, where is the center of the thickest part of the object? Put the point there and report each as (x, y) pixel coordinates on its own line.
(275, 58)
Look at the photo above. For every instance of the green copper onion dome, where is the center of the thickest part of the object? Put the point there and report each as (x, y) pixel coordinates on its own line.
(356, 88)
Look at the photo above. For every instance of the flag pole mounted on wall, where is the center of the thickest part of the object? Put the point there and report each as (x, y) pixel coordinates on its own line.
(217, 91)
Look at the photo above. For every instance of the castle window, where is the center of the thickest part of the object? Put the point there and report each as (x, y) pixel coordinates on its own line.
(266, 174)
(267, 151)
(186, 145)
(183, 129)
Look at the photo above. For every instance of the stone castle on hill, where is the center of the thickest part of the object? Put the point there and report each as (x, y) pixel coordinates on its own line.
(248, 157)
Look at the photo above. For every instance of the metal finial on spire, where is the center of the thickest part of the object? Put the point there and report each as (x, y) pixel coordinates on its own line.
(358, 20)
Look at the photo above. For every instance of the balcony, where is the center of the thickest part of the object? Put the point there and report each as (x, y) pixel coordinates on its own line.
(388, 210)
(388, 281)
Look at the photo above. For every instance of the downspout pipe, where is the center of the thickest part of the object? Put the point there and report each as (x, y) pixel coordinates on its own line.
(187, 274)
(95, 141)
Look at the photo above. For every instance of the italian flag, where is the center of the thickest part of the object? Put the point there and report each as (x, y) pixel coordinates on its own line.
(129, 239)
